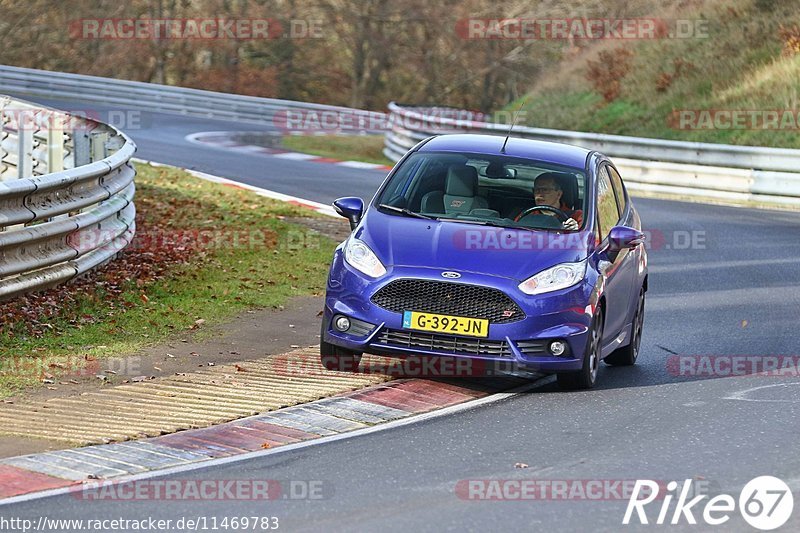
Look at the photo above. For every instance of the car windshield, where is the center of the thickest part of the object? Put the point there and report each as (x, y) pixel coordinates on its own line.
(485, 189)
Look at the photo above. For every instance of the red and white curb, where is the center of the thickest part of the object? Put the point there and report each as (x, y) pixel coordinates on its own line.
(222, 140)
(375, 408)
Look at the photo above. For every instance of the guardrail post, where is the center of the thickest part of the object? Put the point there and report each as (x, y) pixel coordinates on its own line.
(3, 154)
(25, 153)
(55, 147)
(98, 142)
(82, 152)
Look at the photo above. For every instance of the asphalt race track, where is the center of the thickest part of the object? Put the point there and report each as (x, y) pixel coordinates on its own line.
(723, 282)
(162, 138)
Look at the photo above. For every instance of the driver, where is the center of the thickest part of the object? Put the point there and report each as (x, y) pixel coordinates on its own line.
(547, 191)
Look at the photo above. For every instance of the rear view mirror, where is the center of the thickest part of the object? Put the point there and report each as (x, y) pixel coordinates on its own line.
(624, 237)
(351, 208)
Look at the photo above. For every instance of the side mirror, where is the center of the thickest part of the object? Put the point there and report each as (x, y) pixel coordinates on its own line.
(623, 237)
(351, 208)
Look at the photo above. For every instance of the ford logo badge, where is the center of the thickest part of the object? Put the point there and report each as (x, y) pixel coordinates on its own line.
(451, 275)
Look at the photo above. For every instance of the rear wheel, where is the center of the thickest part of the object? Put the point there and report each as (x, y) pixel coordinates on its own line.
(626, 356)
(586, 377)
(336, 358)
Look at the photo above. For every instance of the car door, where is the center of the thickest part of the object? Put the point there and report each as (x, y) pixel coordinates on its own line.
(632, 256)
(616, 268)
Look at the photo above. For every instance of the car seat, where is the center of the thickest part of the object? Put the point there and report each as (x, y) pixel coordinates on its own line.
(460, 194)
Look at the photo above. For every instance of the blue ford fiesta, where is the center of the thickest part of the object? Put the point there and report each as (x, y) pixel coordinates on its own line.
(501, 250)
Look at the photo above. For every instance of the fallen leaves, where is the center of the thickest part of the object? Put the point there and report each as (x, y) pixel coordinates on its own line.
(179, 240)
(149, 258)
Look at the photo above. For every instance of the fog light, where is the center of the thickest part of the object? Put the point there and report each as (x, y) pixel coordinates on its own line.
(341, 323)
(557, 348)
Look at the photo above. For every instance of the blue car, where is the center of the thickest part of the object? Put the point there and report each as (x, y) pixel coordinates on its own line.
(500, 251)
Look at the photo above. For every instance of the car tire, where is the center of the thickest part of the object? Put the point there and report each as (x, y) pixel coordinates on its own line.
(586, 377)
(627, 355)
(335, 357)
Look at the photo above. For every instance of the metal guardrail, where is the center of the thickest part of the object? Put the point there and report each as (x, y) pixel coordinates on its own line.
(178, 100)
(66, 196)
(713, 171)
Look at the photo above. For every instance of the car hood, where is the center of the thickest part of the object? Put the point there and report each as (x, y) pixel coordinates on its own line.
(517, 254)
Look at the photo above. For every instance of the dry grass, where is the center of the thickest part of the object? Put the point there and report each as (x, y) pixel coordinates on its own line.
(202, 252)
(742, 65)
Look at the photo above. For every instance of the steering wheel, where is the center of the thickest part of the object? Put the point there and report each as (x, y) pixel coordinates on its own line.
(556, 211)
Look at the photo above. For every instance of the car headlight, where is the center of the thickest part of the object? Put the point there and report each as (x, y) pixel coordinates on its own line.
(359, 256)
(554, 278)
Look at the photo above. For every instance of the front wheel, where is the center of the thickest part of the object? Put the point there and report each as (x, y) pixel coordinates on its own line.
(626, 356)
(586, 377)
(341, 361)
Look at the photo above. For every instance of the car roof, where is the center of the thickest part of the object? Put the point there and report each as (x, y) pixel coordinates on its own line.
(548, 152)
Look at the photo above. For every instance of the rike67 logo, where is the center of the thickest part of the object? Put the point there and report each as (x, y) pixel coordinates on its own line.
(765, 503)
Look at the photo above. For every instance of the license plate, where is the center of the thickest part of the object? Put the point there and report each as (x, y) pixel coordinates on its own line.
(455, 325)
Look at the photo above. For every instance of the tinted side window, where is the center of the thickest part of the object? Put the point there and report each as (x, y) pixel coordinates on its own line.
(619, 189)
(607, 210)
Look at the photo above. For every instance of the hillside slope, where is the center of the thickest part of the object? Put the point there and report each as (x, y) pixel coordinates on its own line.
(747, 69)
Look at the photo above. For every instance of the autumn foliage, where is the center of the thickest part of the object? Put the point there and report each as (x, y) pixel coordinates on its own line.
(607, 73)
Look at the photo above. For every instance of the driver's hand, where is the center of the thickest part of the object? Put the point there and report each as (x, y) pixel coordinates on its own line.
(570, 224)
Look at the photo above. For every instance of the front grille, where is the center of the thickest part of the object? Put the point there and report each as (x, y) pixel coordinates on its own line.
(445, 298)
(443, 343)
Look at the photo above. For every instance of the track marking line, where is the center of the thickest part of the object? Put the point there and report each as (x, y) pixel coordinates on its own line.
(740, 395)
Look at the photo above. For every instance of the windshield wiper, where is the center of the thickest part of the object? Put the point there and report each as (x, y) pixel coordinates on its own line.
(486, 223)
(466, 221)
(405, 211)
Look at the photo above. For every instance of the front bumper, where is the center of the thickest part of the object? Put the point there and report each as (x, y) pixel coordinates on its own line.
(561, 315)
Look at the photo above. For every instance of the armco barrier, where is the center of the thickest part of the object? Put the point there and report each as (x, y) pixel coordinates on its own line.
(712, 171)
(66, 196)
(180, 100)
(703, 170)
